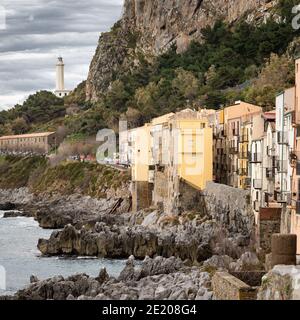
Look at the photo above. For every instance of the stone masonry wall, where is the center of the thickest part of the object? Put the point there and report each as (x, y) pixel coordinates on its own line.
(141, 195)
(269, 224)
(227, 287)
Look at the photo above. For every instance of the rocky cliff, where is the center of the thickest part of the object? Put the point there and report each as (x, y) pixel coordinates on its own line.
(151, 27)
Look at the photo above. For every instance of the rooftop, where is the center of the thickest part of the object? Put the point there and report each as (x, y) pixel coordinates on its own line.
(29, 135)
(271, 115)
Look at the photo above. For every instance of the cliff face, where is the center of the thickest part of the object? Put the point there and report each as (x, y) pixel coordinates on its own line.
(151, 27)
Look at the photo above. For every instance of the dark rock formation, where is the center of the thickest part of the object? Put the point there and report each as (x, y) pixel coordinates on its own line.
(149, 28)
(14, 214)
(195, 243)
(7, 206)
(157, 279)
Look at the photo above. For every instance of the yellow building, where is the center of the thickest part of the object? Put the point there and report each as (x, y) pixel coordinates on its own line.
(172, 150)
(194, 152)
(182, 155)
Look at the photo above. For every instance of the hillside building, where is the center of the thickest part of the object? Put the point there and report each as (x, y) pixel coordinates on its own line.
(169, 151)
(35, 143)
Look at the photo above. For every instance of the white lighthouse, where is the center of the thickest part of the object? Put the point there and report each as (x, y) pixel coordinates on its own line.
(60, 90)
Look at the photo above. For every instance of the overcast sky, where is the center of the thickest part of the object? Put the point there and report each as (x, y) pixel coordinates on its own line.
(38, 31)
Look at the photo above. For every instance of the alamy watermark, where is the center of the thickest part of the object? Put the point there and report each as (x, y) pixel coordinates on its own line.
(158, 145)
(2, 18)
(2, 278)
(296, 19)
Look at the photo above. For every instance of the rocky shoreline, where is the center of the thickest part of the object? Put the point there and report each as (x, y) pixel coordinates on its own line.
(177, 250)
(56, 211)
(155, 279)
(195, 243)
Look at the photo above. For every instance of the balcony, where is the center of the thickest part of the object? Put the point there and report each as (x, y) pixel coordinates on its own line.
(235, 132)
(151, 176)
(234, 169)
(244, 155)
(243, 172)
(282, 197)
(282, 137)
(298, 207)
(282, 166)
(257, 184)
(270, 173)
(244, 138)
(233, 150)
(298, 168)
(298, 129)
(270, 151)
(255, 158)
(256, 206)
(247, 183)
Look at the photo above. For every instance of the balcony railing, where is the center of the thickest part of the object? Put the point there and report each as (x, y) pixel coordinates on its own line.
(282, 166)
(256, 205)
(257, 184)
(235, 132)
(247, 183)
(282, 197)
(244, 138)
(298, 127)
(270, 151)
(151, 176)
(233, 150)
(298, 207)
(270, 173)
(282, 137)
(244, 155)
(298, 168)
(255, 158)
(243, 172)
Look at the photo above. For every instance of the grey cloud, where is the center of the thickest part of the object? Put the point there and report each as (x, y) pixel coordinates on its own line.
(40, 30)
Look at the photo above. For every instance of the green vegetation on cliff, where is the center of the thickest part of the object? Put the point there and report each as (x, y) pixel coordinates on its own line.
(66, 178)
(243, 61)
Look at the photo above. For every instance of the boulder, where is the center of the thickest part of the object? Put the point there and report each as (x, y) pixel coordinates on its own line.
(7, 206)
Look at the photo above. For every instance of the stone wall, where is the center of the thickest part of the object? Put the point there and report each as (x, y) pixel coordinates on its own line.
(227, 287)
(141, 195)
(231, 207)
(160, 191)
(228, 206)
(269, 224)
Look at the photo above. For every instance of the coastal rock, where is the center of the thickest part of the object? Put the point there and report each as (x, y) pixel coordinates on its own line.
(7, 206)
(186, 283)
(14, 214)
(34, 279)
(188, 242)
(281, 283)
(218, 262)
(16, 197)
(247, 262)
(80, 211)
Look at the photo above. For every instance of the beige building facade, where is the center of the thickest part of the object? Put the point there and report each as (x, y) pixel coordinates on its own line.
(35, 143)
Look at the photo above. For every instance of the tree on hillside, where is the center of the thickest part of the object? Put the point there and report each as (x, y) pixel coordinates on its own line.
(20, 126)
(117, 96)
(40, 107)
(133, 117)
(186, 84)
(277, 75)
